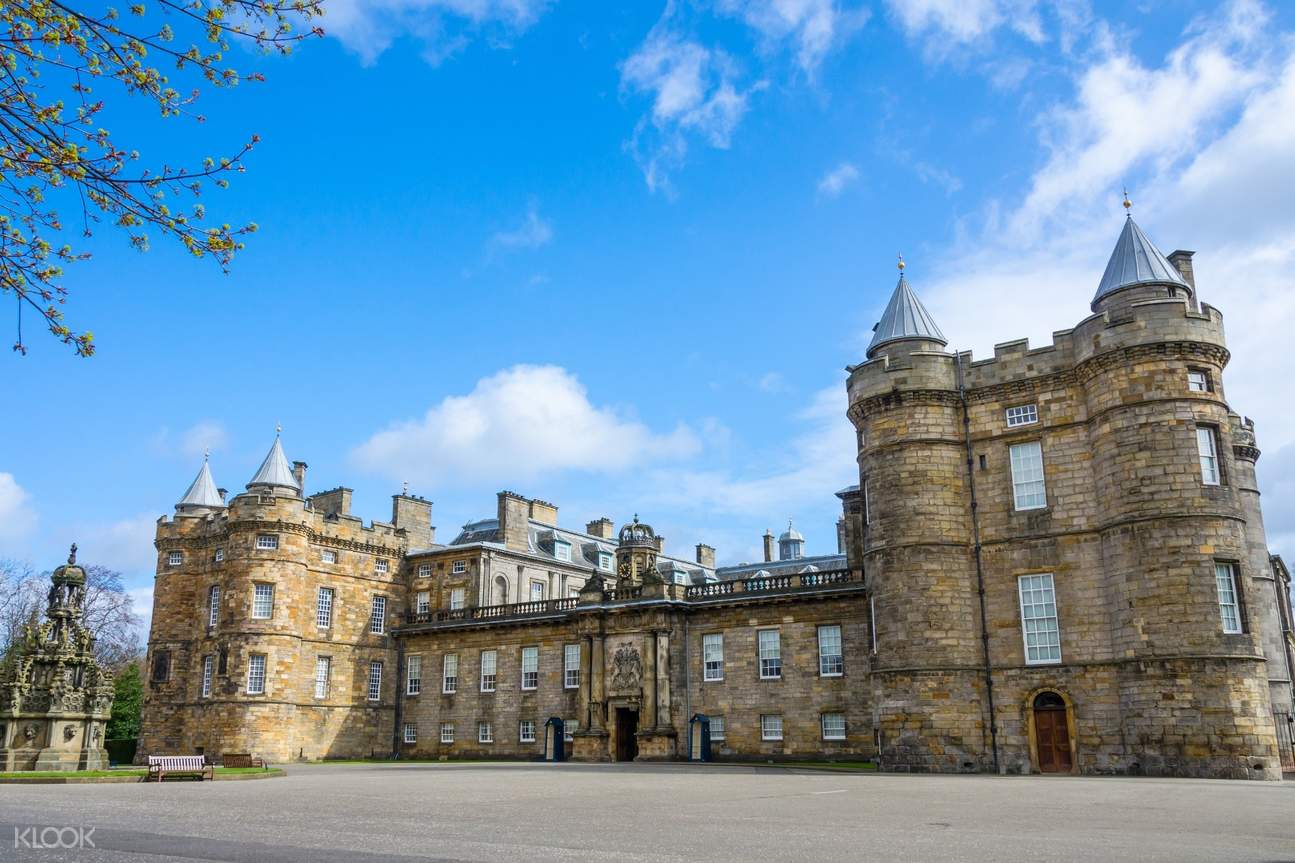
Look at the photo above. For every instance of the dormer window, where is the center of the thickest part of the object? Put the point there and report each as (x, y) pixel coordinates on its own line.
(561, 549)
(1022, 415)
(605, 561)
(680, 577)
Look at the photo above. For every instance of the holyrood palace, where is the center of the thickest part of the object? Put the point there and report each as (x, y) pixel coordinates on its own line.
(1054, 561)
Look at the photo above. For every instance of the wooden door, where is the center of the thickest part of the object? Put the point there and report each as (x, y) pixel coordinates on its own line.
(1052, 736)
(626, 727)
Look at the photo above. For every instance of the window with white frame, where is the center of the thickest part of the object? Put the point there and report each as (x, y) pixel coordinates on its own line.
(411, 732)
(457, 598)
(380, 566)
(530, 667)
(1028, 491)
(375, 680)
(770, 646)
(605, 561)
(1207, 444)
(450, 674)
(537, 591)
(770, 726)
(716, 728)
(328, 556)
(424, 570)
(562, 550)
(487, 671)
(323, 675)
(175, 558)
(712, 656)
(256, 674)
(680, 577)
(1225, 578)
(569, 729)
(1198, 380)
(459, 567)
(831, 661)
(447, 732)
(1022, 415)
(571, 666)
(526, 731)
(324, 607)
(413, 675)
(208, 666)
(1039, 619)
(833, 726)
(267, 541)
(220, 555)
(423, 602)
(213, 605)
(378, 616)
(485, 733)
(262, 601)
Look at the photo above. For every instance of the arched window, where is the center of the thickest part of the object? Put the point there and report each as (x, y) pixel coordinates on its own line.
(1049, 701)
(501, 591)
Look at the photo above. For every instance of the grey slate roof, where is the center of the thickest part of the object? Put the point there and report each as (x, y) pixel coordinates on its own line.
(202, 492)
(819, 562)
(1136, 261)
(275, 470)
(904, 318)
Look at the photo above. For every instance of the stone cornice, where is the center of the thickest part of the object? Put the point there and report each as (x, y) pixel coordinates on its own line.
(897, 398)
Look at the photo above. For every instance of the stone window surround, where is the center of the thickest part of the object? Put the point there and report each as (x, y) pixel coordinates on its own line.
(717, 730)
(208, 667)
(257, 673)
(526, 731)
(174, 558)
(570, 671)
(771, 728)
(325, 599)
(1199, 380)
(775, 661)
(840, 651)
(717, 660)
(328, 555)
(374, 687)
(1217, 476)
(449, 682)
(485, 732)
(530, 656)
(459, 567)
(213, 606)
(378, 615)
(447, 732)
(489, 679)
(838, 729)
(262, 597)
(1238, 597)
(1056, 618)
(267, 542)
(1042, 480)
(410, 733)
(414, 674)
(323, 664)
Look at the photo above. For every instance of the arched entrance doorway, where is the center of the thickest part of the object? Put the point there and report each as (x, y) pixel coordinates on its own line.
(500, 594)
(1052, 734)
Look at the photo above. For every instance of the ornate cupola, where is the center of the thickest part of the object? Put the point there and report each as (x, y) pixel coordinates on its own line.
(275, 474)
(905, 319)
(791, 545)
(636, 554)
(202, 497)
(1136, 263)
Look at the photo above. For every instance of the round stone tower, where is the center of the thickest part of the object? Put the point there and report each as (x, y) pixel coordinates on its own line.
(927, 674)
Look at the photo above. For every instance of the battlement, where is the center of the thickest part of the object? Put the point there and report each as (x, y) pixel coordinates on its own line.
(256, 507)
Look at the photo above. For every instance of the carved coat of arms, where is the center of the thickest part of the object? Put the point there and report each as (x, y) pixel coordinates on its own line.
(627, 667)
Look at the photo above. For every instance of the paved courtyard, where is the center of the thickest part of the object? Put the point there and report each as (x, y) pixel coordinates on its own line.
(363, 813)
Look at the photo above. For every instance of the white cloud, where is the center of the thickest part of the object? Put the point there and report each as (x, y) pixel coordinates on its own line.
(125, 545)
(970, 20)
(518, 424)
(17, 515)
(444, 27)
(204, 436)
(833, 183)
(814, 27)
(694, 93)
(533, 232)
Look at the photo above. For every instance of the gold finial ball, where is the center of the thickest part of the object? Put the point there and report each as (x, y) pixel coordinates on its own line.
(1127, 203)
(901, 263)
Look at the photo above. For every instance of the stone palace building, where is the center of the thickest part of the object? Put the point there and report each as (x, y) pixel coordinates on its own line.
(1054, 561)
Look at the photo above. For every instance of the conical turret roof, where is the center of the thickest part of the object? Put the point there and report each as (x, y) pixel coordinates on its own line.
(1136, 261)
(905, 318)
(275, 470)
(202, 492)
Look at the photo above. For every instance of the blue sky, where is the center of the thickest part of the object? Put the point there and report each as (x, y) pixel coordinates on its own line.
(617, 259)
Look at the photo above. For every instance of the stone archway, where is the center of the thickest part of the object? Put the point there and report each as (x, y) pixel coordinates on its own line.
(1050, 717)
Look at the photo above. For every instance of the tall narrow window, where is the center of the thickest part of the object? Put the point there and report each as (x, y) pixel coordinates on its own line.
(457, 596)
(1039, 619)
(161, 665)
(569, 729)
(323, 675)
(220, 555)
(375, 680)
(530, 667)
(712, 654)
(208, 665)
(526, 731)
(213, 605)
(867, 503)
(770, 727)
(1225, 577)
(1207, 446)
(450, 674)
(256, 674)
(831, 662)
(485, 733)
(487, 671)
(716, 728)
(324, 607)
(413, 675)
(537, 591)
(262, 601)
(423, 602)
(770, 655)
(411, 733)
(571, 666)
(447, 732)
(378, 616)
(1027, 476)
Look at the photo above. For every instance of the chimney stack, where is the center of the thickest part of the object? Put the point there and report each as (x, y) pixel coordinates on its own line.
(603, 528)
(222, 492)
(840, 535)
(705, 555)
(299, 474)
(412, 514)
(768, 546)
(1182, 261)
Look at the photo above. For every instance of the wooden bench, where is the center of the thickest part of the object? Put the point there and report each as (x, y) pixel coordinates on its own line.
(161, 766)
(240, 759)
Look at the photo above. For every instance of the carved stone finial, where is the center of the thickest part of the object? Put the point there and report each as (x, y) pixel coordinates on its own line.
(71, 558)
